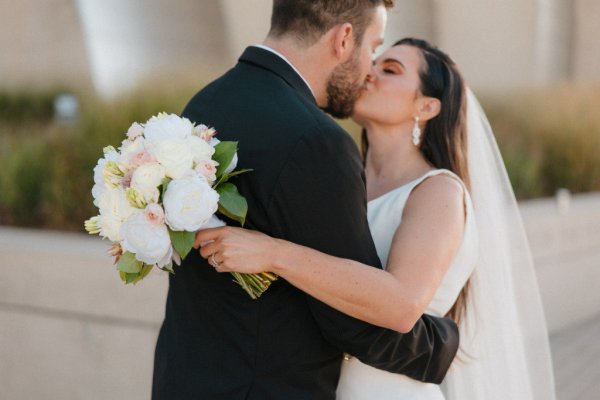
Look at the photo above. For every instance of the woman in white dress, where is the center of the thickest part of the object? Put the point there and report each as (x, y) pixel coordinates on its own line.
(445, 225)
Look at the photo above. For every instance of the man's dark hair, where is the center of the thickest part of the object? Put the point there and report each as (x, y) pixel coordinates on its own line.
(308, 20)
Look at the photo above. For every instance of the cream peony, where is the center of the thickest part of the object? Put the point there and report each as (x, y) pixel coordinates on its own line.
(146, 179)
(201, 150)
(166, 127)
(189, 202)
(149, 242)
(110, 227)
(175, 155)
(114, 209)
(130, 150)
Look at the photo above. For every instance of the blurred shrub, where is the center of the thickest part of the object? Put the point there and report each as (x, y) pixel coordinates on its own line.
(17, 107)
(549, 139)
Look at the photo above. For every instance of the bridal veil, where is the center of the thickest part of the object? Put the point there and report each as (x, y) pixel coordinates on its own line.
(505, 352)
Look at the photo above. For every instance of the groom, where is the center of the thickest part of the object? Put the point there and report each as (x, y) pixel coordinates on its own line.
(307, 186)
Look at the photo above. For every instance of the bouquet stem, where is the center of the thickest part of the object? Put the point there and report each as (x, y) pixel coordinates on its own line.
(254, 284)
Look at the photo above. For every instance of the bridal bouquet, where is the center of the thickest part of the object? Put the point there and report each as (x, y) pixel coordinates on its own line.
(167, 180)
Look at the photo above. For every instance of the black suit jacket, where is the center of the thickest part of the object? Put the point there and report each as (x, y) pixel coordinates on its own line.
(307, 186)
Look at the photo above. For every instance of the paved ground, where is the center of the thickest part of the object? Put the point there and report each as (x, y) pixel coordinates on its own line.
(576, 357)
(69, 306)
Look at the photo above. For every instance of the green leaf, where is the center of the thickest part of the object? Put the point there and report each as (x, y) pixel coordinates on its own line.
(131, 278)
(128, 264)
(231, 203)
(127, 277)
(168, 268)
(225, 177)
(182, 241)
(143, 273)
(163, 188)
(224, 153)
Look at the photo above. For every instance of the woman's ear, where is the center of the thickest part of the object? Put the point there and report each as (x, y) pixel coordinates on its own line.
(343, 41)
(429, 108)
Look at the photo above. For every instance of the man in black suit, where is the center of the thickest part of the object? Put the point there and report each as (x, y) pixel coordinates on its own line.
(307, 186)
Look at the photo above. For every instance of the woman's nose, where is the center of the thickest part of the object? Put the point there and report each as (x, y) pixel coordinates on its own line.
(371, 74)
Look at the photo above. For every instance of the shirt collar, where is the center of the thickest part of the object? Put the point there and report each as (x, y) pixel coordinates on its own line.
(262, 46)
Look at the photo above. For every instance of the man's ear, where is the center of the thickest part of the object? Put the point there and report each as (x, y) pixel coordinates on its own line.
(343, 40)
(429, 108)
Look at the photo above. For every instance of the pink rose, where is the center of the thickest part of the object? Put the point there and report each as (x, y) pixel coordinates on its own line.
(141, 158)
(204, 132)
(155, 215)
(208, 169)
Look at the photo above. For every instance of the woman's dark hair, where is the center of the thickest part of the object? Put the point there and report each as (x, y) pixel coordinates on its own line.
(444, 139)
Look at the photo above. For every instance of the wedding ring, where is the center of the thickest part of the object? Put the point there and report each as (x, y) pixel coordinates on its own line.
(213, 261)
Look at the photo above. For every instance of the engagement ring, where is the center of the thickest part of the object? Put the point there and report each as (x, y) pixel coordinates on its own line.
(213, 262)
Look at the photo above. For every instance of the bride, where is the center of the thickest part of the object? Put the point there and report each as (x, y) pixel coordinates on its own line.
(446, 225)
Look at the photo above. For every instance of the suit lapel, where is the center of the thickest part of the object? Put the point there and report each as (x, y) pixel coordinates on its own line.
(272, 62)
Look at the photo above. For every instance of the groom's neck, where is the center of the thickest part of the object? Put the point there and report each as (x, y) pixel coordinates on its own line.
(312, 62)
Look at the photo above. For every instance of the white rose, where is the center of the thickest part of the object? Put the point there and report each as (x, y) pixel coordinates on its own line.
(189, 202)
(114, 201)
(174, 155)
(201, 150)
(165, 127)
(146, 179)
(99, 184)
(134, 131)
(149, 242)
(234, 161)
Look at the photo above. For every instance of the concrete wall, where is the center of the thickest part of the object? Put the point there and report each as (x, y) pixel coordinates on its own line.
(490, 40)
(129, 41)
(499, 44)
(69, 329)
(586, 46)
(41, 44)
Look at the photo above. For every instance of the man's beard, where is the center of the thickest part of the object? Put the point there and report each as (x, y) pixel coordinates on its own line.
(344, 88)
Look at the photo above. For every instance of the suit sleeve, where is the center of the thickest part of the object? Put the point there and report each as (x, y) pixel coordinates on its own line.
(320, 202)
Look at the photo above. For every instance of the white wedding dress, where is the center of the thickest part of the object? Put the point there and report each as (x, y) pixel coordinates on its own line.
(359, 381)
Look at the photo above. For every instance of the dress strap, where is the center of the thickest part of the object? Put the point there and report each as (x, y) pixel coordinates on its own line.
(435, 172)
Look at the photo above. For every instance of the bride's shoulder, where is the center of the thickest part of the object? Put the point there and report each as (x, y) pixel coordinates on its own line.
(439, 189)
(441, 182)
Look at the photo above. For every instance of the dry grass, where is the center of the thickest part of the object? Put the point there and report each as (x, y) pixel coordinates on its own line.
(549, 138)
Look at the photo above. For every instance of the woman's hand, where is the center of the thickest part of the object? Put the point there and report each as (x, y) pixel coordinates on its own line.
(231, 249)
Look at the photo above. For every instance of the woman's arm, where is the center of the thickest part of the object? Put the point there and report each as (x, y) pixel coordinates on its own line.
(423, 248)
